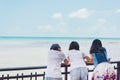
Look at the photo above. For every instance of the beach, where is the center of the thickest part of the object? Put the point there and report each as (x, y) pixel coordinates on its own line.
(23, 52)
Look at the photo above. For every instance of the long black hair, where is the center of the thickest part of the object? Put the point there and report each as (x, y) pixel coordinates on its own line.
(74, 45)
(96, 46)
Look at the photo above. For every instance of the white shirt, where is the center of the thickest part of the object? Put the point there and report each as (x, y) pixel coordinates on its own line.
(54, 64)
(76, 59)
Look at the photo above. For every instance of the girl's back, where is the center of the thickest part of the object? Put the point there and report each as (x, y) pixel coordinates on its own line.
(76, 59)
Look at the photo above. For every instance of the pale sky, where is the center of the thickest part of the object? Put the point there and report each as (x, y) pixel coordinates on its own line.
(60, 18)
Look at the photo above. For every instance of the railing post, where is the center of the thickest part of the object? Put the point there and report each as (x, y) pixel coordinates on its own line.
(44, 76)
(35, 75)
(31, 76)
(22, 76)
(17, 76)
(7, 76)
(66, 71)
(118, 71)
(2, 76)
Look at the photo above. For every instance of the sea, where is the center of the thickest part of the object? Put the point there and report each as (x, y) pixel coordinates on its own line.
(28, 51)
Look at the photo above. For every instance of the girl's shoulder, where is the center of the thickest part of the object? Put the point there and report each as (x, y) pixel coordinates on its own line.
(102, 49)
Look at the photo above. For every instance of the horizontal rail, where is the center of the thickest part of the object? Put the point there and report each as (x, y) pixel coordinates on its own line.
(23, 68)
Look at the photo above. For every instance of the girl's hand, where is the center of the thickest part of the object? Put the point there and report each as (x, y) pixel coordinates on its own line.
(109, 59)
(59, 49)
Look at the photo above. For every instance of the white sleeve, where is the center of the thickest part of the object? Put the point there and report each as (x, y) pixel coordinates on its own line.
(67, 55)
(83, 55)
(63, 57)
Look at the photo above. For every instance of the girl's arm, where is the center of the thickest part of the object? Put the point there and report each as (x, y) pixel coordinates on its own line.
(66, 61)
(88, 59)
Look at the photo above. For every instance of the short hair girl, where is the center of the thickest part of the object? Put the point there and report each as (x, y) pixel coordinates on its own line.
(55, 58)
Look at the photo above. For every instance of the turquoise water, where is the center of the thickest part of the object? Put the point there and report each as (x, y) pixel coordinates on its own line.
(52, 38)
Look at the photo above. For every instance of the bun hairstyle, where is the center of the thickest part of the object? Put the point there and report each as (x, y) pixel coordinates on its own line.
(55, 47)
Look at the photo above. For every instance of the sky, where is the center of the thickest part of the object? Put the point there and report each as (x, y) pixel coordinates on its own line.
(60, 18)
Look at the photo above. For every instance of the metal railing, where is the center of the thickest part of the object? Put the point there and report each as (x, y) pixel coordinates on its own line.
(36, 75)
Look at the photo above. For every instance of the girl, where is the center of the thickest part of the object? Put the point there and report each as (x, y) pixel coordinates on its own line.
(78, 69)
(55, 57)
(103, 70)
